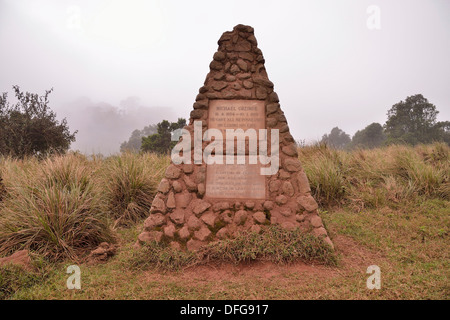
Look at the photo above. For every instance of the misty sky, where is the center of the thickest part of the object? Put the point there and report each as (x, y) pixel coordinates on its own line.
(116, 66)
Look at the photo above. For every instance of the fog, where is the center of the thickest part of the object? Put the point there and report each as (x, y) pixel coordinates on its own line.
(116, 66)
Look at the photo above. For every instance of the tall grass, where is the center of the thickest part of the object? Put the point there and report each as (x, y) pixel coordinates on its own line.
(129, 183)
(53, 208)
(377, 177)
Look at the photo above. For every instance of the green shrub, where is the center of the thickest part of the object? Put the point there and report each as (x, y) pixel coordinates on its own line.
(55, 210)
(130, 182)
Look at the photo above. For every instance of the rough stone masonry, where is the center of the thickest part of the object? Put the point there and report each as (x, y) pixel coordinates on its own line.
(198, 203)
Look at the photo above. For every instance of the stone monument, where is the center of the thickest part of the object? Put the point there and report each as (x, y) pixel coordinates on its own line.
(198, 201)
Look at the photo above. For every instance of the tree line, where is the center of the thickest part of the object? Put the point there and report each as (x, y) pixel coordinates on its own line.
(29, 128)
(412, 121)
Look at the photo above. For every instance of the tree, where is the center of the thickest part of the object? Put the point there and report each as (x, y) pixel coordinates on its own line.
(161, 141)
(337, 138)
(371, 136)
(135, 141)
(413, 121)
(29, 127)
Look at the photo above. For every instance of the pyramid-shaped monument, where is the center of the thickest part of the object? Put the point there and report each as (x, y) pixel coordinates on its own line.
(201, 200)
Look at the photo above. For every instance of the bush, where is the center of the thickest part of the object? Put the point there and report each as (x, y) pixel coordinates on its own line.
(130, 182)
(55, 210)
(30, 127)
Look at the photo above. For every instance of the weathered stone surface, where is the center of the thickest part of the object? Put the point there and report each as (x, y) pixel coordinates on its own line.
(19, 258)
(271, 122)
(188, 168)
(172, 172)
(190, 184)
(307, 202)
(288, 189)
(320, 232)
(218, 86)
(259, 217)
(222, 233)
(158, 206)
(201, 189)
(292, 165)
(281, 199)
(209, 218)
(215, 65)
(219, 56)
(194, 245)
(240, 217)
(202, 234)
(300, 217)
(283, 174)
(201, 206)
(177, 216)
(303, 183)
(249, 205)
(171, 204)
(184, 233)
(150, 236)
(272, 108)
(194, 223)
(234, 69)
(268, 205)
(219, 206)
(175, 245)
(316, 221)
(177, 186)
(274, 185)
(183, 199)
(288, 226)
(164, 186)
(261, 93)
(255, 228)
(155, 220)
(169, 231)
(286, 212)
(290, 150)
(242, 65)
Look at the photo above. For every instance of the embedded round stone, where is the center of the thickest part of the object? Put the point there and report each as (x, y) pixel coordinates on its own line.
(173, 172)
(292, 165)
(177, 216)
(184, 233)
(164, 186)
(194, 223)
(158, 206)
(201, 206)
(316, 222)
(259, 217)
(209, 218)
(307, 202)
(240, 217)
(202, 234)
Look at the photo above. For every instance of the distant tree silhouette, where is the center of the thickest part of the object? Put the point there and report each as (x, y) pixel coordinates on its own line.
(337, 138)
(29, 127)
(161, 141)
(134, 143)
(413, 121)
(371, 136)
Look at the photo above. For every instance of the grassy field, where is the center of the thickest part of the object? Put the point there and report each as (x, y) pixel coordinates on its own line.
(388, 207)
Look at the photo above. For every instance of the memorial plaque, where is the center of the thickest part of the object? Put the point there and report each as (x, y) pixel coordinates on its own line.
(237, 114)
(240, 181)
(235, 181)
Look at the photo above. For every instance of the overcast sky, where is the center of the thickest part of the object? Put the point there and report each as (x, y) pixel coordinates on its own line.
(116, 66)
